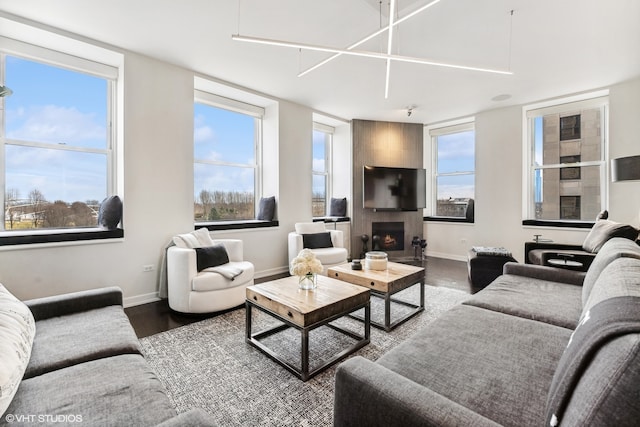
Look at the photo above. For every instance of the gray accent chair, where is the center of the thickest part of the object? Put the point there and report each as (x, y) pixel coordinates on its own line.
(497, 358)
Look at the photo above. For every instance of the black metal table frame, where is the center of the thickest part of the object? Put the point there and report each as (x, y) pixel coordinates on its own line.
(387, 296)
(303, 372)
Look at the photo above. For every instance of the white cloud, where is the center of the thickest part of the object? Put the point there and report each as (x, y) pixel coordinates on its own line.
(56, 124)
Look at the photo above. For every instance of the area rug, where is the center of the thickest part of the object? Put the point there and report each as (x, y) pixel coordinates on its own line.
(209, 365)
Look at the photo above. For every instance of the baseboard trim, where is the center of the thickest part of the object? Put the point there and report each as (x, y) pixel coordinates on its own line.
(447, 256)
(140, 299)
(270, 272)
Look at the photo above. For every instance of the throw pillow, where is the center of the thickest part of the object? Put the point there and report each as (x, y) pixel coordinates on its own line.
(604, 230)
(211, 256)
(267, 208)
(317, 240)
(338, 207)
(17, 329)
(110, 213)
(195, 239)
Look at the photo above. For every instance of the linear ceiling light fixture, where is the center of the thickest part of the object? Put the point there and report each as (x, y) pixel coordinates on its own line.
(392, 9)
(350, 50)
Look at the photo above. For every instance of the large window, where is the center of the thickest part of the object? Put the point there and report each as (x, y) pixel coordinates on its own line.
(322, 138)
(453, 183)
(57, 141)
(227, 137)
(566, 157)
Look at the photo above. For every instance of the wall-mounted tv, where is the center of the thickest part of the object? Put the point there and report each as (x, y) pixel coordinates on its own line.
(394, 189)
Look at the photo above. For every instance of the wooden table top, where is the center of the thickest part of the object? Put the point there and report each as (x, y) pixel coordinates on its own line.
(396, 276)
(307, 307)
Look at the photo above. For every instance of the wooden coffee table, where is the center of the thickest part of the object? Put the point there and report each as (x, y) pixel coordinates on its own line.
(305, 311)
(385, 283)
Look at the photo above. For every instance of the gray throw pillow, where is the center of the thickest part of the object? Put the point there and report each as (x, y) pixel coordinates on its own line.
(317, 240)
(338, 207)
(211, 256)
(110, 213)
(267, 208)
(603, 230)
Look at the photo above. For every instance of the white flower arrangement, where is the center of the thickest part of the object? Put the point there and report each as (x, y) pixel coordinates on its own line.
(306, 264)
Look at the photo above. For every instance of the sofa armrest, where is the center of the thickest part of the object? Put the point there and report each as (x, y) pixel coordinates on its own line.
(193, 418)
(541, 272)
(337, 238)
(75, 302)
(368, 394)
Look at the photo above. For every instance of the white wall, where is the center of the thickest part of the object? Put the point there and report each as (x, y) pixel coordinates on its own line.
(498, 203)
(158, 193)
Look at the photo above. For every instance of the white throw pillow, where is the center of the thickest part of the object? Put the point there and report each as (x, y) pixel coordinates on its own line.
(196, 239)
(17, 329)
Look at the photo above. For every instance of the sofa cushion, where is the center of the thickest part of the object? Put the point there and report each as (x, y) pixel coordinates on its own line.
(328, 256)
(611, 250)
(338, 206)
(317, 240)
(110, 213)
(497, 365)
(599, 372)
(195, 239)
(17, 329)
(112, 391)
(620, 278)
(603, 230)
(267, 208)
(211, 280)
(551, 302)
(211, 256)
(76, 338)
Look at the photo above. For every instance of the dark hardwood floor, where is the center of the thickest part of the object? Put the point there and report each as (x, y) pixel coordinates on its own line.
(155, 317)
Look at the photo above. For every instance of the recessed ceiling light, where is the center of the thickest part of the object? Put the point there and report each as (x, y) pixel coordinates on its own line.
(502, 97)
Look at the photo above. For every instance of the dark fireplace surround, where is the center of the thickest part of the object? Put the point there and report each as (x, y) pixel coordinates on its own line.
(387, 236)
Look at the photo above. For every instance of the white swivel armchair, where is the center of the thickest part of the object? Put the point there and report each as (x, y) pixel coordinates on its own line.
(212, 289)
(330, 252)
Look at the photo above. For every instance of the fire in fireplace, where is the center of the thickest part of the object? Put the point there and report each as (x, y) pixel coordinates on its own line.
(388, 236)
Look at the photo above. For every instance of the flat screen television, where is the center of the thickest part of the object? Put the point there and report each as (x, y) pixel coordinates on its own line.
(394, 189)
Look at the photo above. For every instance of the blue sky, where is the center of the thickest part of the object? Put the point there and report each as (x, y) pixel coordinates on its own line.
(456, 153)
(58, 107)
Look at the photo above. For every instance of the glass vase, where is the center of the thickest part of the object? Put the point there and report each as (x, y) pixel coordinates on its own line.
(308, 281)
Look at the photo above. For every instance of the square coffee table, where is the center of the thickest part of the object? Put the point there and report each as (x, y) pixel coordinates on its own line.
(383, 284)
(305, 310)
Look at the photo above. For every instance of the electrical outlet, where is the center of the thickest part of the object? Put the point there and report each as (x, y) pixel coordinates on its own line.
(148, 267)
(463, 241)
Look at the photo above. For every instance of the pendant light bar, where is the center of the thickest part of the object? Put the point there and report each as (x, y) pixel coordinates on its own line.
(392, 9)
(369, 37)
(362, 53)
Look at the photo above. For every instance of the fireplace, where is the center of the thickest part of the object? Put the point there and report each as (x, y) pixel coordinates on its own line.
(387, 236)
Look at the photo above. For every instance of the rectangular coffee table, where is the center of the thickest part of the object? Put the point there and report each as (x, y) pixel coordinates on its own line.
(385, 283)
(305, 311)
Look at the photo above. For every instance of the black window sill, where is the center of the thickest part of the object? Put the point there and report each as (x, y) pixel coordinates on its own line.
(448, 219)
(235, 225)
(330, 219)
(54, 236)
(559, 224)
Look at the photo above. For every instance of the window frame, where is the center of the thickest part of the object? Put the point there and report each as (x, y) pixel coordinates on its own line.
(328, 164)
(459, 126)
(70, 62)
(258, 113)
(566, 105)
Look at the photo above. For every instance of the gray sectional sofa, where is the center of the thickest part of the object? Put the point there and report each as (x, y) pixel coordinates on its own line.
(539, 346)
(86, 368)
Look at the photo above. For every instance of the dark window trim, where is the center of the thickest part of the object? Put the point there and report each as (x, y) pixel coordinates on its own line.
(235, 225)
(63, 236)
(559, 224)
(330, 219)
(448, 219)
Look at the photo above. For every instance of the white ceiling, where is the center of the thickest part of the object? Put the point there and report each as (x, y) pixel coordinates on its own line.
(552, 47)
